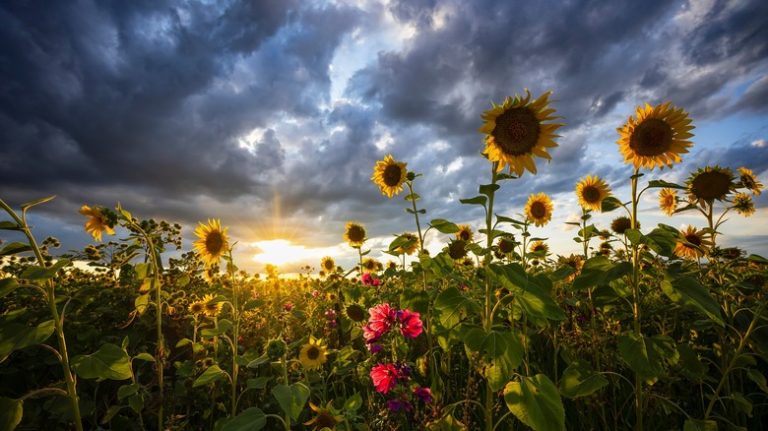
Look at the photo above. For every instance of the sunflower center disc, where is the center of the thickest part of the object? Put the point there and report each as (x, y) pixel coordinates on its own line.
(355, 234)
(711, 185)
(516, 131)
(693, 239)
(538, 210)
(392, 175)
(652, 137)
(591, 194)
(325, 420)
(313, 353)
(214, 242)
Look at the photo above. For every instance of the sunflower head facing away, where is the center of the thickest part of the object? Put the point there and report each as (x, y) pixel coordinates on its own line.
(591, 191)
(620, 225)
(464, 233)
(668, 201)
(389, 175)
(98, 221)
(212, 242)
(743, 204)
(457, 249)
(749, 181)
(538, 209)
(313, 354)
(354, 234)
(327, 264)
(325, 417)
(709, 184)
(506, 244)
(656, 137)
(692, 244)
(516, 131)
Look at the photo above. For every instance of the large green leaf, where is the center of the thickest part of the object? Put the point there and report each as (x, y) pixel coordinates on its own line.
(699, 425)
(34, 272)
(291, 398)
(579, 380)
(451, 306)
(687, 291)
(109, 362)
(250, 419)
(599, 271)
(534, 299)
(210, 375)
(8, 285)
(444, 226)
(14, 248)
(646, 356)
(11, 412)
(15, 336)
(536, 402)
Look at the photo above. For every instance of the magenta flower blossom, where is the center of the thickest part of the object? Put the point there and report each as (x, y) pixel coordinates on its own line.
(397, 405)
(424, 394)
(411, 325)
(382, 317)
(384, 377)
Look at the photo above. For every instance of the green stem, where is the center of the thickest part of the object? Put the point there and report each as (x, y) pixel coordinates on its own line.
(236, 333)
(488, 322)
(416, 215)
(636, 302)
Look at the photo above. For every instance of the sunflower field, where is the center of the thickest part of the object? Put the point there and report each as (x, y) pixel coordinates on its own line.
(644, 327)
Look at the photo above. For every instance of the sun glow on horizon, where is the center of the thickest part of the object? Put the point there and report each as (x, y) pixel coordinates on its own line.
(282, 251)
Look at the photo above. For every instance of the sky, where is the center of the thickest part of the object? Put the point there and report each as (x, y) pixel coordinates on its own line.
(270, 115)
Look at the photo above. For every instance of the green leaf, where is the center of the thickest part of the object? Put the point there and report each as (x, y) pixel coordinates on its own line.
(562, 272)
(8, 285)
(141, 303)
(15, 336)
(412, 197)
(11, 412)
(291, 398)
(250, 419)
(609, 204)
(536, 402)
(109, 362)
(505, 219)
(210, 375)
(353, 403)
(690, 364)
(527, 292)
(579, 380)
(111, 412)
(599, 271)
(402, 241)
(758, 378)
(257, 383)
(645, 355)
(664, 184)
(488, 189)
(28, 205)
(757, 258)
(477, 200)
(14, 248)
(446, 423)
(34, 272)
(144, 356)
(127, 390)
(699, 425)
(9, 225)
(688, 292)
(444, 226)
(451, 305)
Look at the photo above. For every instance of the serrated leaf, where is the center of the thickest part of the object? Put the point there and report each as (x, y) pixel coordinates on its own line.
(536, 402)
(109, 362)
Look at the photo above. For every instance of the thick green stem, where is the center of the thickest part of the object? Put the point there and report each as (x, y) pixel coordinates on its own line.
(488, 321)
(636, 302)
(236, 333)
(416, 215)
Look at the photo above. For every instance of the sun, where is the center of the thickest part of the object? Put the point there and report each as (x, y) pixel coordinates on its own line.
(280, 252)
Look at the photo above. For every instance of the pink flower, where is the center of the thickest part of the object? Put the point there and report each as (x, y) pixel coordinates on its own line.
(288, 306)
(369, 280)
(384, 377)
(410, 323)
(370, 335)
(382, 317)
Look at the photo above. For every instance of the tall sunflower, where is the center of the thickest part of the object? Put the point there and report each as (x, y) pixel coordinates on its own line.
(692, 244)
(750, 181)
(668, 201)
(656, 137)
(710, 183)
(97, 222)
(464, 233)
(410, 246)
(212, 241)
(354, 234)
(327, 264)
(313, 354)
(540, 247)
(538, 209)
(516, 131)
(743, 204)
(212, 307)
(591, 191)
(389, 175)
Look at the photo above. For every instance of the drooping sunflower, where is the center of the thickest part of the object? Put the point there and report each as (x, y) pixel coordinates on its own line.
(538, 209)
(692, 244)
(212, 242)
(621, 224)
(313, 354)
(743, 204)
(668, 201)
(212, 308)
(749, 181)
(389, 175)
(539, 247)
(709, 184)
(591, 191)
(327, 264)
(410, 246)
(97, 222)
(457, 249)
(656, 137)
(465, 233)
(354, 234)
(516, 131)
(325, 417)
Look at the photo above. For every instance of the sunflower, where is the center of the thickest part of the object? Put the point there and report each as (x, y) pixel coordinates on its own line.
(464, 233)
(574, 261)
(370, 265)
(743, 204)
(411, 245)
(656, 137)
(389, 175)
(327, 264)
(355, 312)
(97, 222)
(691, 244)
(515, 132)
(539, 209)
(354, 234)
(668, 201)
(456, 249)
(326, 417)
(212, 309)
(591, 191)
(710, 183)
(212, 241)
(750, 181)
(620, 225)
(539, 247)
(313, 354)
(506, 245)
(392, 265)
(197, 307)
